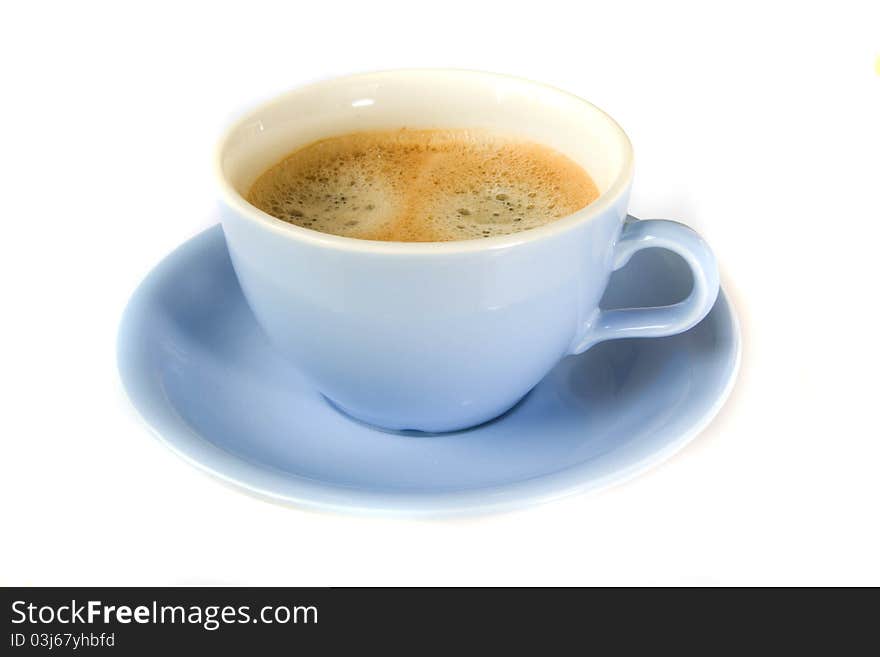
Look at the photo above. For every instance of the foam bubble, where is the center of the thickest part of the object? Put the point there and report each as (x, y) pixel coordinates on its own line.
(423, 186)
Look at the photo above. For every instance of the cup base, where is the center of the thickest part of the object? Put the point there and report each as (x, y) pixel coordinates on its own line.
(419, 433)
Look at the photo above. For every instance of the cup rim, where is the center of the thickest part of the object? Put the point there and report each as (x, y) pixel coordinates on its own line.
(237, 202)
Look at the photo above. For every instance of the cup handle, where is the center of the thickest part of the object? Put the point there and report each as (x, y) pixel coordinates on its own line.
(659, 320)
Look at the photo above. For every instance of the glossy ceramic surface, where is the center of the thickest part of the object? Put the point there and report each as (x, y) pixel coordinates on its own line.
(443, 336)
(204, 376)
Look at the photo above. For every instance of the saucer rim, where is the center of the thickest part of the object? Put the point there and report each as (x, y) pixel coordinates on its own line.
(301, 493)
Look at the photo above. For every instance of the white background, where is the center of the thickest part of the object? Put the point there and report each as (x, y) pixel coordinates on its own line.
(758, 125)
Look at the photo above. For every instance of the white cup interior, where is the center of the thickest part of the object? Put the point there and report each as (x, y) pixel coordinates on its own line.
(425, 99)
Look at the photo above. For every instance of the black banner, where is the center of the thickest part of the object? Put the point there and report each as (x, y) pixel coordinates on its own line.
(134, 621)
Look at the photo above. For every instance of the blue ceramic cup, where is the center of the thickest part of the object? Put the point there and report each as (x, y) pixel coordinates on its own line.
(444, 335)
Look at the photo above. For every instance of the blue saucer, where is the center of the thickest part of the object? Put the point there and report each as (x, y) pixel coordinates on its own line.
(202, 374)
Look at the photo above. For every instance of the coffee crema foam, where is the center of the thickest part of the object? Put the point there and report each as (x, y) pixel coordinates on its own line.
(423, 186)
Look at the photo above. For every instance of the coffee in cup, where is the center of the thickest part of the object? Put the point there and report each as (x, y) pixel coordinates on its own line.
(435, 185)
